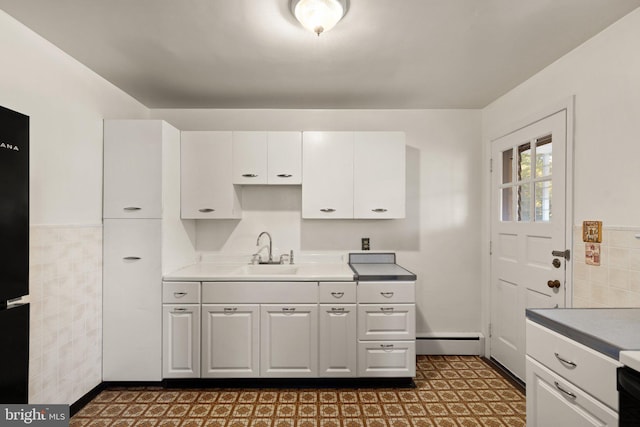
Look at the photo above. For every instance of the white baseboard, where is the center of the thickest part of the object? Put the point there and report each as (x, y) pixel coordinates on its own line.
(462, 344)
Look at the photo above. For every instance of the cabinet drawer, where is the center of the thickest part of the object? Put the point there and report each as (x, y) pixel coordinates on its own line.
(181, 292)
(259, 292)
(586, 368)
(386, 358)
(337, 292)
(386, 321)
(386, 292)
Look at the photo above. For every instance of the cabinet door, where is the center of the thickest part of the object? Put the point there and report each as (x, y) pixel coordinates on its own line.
(379, 175)
(249, 157)
(284, 158)
(289, 340)
(386, 359)
(206, 190)
(230, 340)
(181, 341)
(132, 300)
(327, 173)
(338, 340)
(132, 169)
(386, 321)
(553, 401)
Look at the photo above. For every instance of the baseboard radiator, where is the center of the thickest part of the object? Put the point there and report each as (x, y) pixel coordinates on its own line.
(450, 343)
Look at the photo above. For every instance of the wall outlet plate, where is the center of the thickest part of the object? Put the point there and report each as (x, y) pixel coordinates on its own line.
(365, 244)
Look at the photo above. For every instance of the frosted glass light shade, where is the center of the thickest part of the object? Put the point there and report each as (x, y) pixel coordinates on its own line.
(318, 15)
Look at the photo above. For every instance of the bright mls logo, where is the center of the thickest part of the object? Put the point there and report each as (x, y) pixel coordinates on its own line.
(34, 415)
(9, 146)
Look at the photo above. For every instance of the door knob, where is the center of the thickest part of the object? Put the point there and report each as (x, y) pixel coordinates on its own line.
(556, 263)
(553, 283)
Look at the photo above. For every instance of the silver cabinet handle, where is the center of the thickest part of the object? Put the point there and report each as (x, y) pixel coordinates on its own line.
(230, 309)
(206, 210)
(379, 210)
(565, 361)
(337, 310)
(249, 175)
(284, 175)
(386, 309)
(327, 210)
(179, 310)
(132, 208)
(386, 294)
(568, 393)
(337, 294)
(386, 346)
(288, 309)
(132, 258)
(179, 294)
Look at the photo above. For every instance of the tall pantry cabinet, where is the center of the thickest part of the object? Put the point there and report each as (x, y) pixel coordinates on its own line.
(142, 235)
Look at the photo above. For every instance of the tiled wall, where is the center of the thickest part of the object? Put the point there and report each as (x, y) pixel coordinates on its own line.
(66, 312)
(616, 281)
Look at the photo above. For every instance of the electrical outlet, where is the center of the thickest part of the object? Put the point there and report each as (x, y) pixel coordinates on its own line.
(365, 244)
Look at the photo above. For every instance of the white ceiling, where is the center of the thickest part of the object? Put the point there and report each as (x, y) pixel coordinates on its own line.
(254, 54)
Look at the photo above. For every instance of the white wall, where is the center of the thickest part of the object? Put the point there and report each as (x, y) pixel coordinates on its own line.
(603, 74)
(439, 239)
(66, 103)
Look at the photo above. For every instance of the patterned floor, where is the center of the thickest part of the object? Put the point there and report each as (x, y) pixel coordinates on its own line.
(452, 391)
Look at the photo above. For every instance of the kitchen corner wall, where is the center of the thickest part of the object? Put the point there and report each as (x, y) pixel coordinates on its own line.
(66, 103)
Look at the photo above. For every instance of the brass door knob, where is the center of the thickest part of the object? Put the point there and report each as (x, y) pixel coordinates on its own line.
(554, 283)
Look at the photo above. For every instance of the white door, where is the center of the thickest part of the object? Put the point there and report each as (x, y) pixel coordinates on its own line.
(528, 223)
(249, 157)
(338, 340)
(284, 154)
(181, 341)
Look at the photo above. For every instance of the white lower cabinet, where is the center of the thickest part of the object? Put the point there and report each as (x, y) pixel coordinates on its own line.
(386, 358)
(230, 340)
(554, 401)
(181, 341)
(338, 340)
(289, 340)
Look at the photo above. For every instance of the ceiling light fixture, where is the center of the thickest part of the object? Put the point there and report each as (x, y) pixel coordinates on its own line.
(319, 15)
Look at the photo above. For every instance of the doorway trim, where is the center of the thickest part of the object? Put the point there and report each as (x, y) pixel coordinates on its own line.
(567, 104)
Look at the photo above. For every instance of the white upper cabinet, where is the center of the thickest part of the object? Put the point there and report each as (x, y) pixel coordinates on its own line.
(353, 175)
(206, 186)
(327, 174)
(133, 168)
(273, 158)
(379, 175)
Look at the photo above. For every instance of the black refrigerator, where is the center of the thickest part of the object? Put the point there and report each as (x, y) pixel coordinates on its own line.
(14, 256)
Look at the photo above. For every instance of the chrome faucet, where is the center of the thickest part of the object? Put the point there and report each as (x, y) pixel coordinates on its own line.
(270, 260)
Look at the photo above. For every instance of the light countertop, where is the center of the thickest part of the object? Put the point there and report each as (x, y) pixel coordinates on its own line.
(610, 331)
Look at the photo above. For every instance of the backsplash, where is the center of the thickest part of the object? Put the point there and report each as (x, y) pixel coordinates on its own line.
(66, 312)
(616, 281)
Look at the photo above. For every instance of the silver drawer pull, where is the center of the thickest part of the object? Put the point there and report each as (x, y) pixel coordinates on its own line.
(132, 258)
(179, 310)
(132, 208)
(230, 309)
(284, 175)
(386, 308)
(386, 294)
(206, 210)
(568, 393)
(386, 346)
(379, 210)
(336, 310)
(337, 294)
(179, 294)
(565, 361)
(327, 210)
(249, 175)
(288, 309)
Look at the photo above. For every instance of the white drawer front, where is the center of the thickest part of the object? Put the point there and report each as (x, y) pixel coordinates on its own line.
(386, 321)
(386, 292)
(259, 292)
(586, 368)
(337, 292)
(386, 359)
(181, 292)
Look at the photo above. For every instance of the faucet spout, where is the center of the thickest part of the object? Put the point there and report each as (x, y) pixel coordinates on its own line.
(270, 245)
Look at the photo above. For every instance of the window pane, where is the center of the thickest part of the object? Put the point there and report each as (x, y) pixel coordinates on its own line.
(507, 166)
(543, 198)
(544, 156)
(507, 204)
(524, 202)
(524, 162)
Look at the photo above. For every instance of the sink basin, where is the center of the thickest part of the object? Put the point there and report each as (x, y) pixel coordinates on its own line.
(275, 269)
